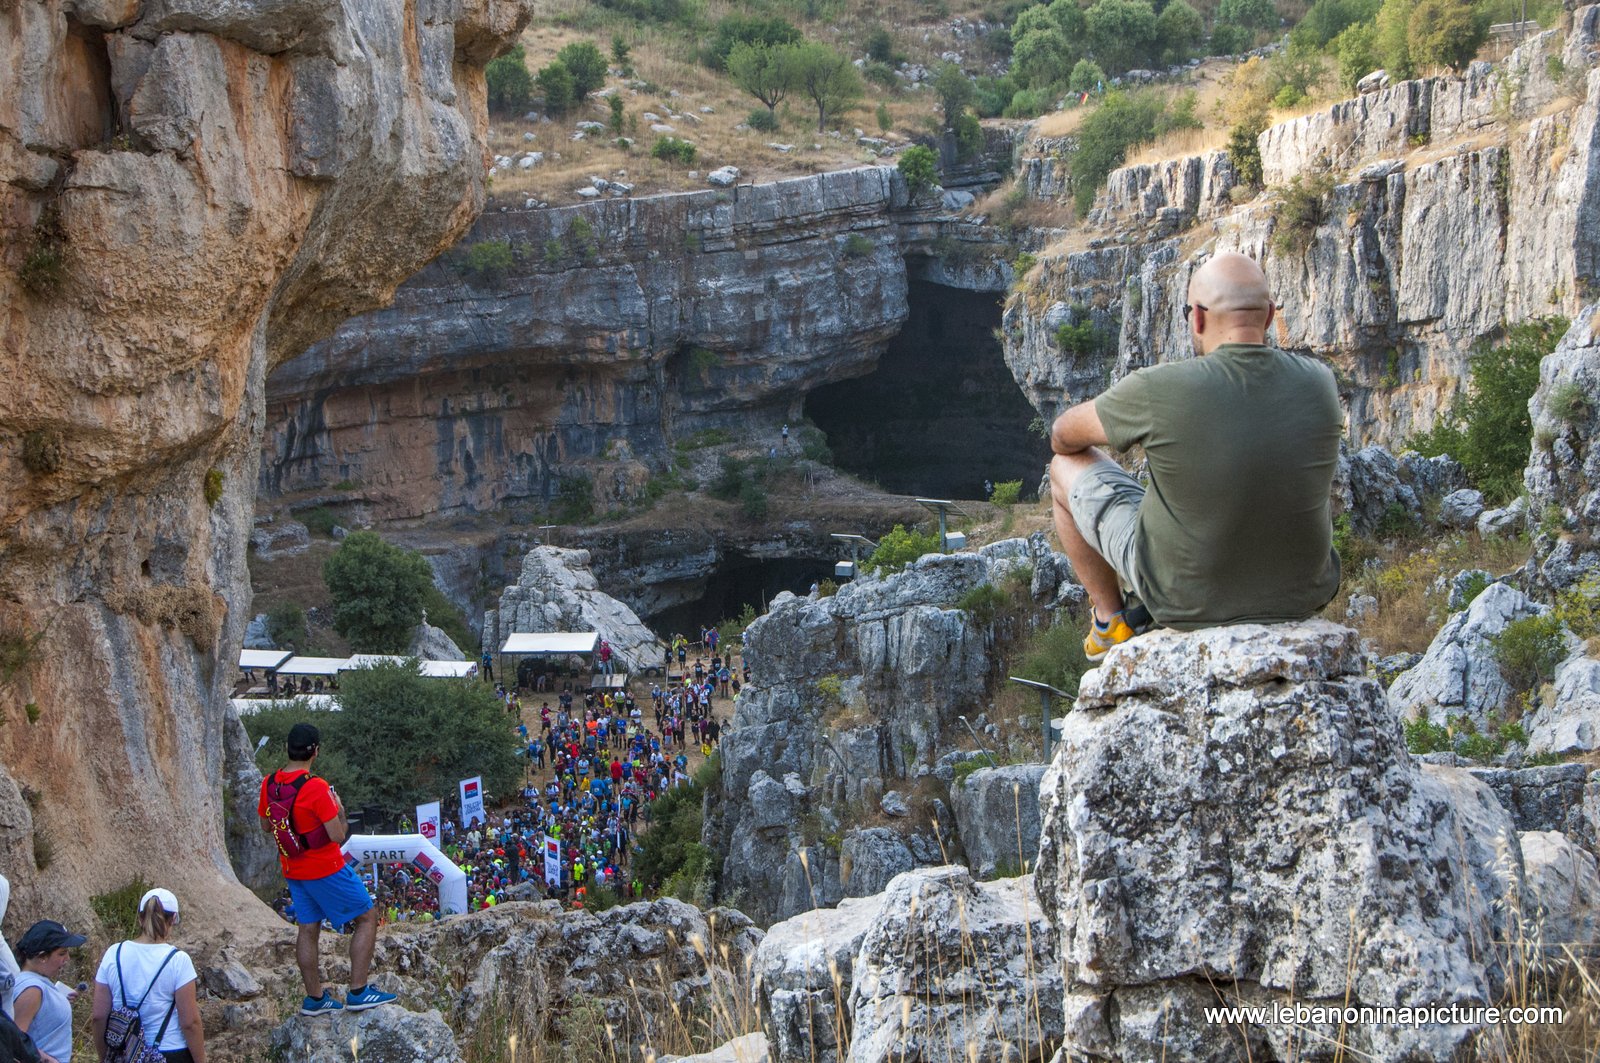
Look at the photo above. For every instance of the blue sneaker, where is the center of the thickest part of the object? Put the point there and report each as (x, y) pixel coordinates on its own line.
(368, 996)
(323, 1005)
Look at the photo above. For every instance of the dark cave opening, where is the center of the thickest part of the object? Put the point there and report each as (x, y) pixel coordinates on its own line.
(941, 413)
(738, 581)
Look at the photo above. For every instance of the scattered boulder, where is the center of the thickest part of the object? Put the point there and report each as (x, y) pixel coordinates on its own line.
(230, 980)
(1376, 81)
(1561, 894)
(1460, 509)
(391, 1034)
(1506, 520)
(997, 817)
(1459, 676)
(905, 1002)
(956, 199)
(894, 804)
(803, 970)
(1545, 798)
(1567, 719)
(1565, 410)
(280, 538)
(432, 644)
(1361, 607)
(750, 1048)
(256, 636)
(1221, 802)
(870, 858)
(723, 176)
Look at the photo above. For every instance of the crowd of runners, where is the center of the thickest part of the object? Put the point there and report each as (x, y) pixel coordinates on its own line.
(597, 762)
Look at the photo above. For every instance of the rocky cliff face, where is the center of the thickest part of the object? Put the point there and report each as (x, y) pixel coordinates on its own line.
(193, 193)
(624, 320)
(1455, 204)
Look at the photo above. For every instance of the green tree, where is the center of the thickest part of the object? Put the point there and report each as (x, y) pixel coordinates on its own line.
(1328, 18)
(828, 79)
(587, 66)
(377, 591)
(969, 136)
(1356, 48)
(765, 71)
(1446, 33)
(1180, 30)
(1392, 44)
(1039, 59)
(1252, 14)
(286, 623)
(510, 85)
(1122, 34)
(620, 50)
(1086, 76)
(954, 90)
(920, 167)
(749, 29)
(1489, 431)
(1123, 120)
(899, 548)
(559, 89)
(1295, 71)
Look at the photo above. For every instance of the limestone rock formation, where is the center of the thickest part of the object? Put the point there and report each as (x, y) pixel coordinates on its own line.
(954, 969)
(1563, 472)
(1567, 720)
(1550, 797)
(854, 695)
(997, 817)
(557, 591)
(1383, 494)
(194, 193)
(1459, 675)
(1221, 803)
(391, 1034)
(746, 1048)
(938, 967)
(1562, 902)
(432, 644)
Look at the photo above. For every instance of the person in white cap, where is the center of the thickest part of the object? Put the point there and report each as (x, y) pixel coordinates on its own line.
(157, 980)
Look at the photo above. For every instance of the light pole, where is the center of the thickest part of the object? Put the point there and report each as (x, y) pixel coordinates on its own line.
(1047, 694)
(993, 760)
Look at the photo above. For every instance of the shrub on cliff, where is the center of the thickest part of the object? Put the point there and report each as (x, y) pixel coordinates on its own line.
(510, 84)
(899, 548)
(1489, 431)
(1124, 120)
(920, 167)
(377, 591)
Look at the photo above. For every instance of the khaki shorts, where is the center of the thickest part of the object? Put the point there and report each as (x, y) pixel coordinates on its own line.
(1104, 502)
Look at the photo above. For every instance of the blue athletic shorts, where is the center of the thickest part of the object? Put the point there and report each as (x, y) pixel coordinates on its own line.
(338, 898)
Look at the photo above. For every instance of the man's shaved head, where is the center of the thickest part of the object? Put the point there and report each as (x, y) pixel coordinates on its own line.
(1230, 282)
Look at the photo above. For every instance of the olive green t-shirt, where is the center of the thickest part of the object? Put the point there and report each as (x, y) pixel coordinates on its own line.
(1241, 446)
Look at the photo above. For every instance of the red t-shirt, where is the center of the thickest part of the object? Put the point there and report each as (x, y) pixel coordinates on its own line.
(312, 808)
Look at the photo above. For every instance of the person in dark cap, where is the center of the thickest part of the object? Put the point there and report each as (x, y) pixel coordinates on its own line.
(42, 1007)
(307, 820)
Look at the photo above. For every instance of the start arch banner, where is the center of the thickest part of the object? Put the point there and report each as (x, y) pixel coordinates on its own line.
(363, 849)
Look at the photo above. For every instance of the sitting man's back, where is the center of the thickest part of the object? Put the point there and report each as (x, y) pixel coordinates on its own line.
(1241, 443)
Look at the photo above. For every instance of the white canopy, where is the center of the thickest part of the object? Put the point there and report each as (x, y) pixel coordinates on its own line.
(268, 659)
(431, 669)
(313, 666)
(246, 706)
(552, 642)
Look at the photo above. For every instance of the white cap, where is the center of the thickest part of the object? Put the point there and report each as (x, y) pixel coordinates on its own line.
(168, 899)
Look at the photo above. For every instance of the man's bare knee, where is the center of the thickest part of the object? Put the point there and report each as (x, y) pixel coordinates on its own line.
(1066, 468)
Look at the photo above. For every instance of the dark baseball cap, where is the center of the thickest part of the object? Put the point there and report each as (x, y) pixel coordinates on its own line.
(302, 737)
(47, 935)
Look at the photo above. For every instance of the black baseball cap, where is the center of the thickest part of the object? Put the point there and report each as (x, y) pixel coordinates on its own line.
(47, 935)
(303, 737)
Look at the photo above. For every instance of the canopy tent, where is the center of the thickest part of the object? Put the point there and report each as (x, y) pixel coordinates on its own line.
(313, 666)
(431, 669)
(246, 706)
(268, 659)
(552, 643)
(363, 849)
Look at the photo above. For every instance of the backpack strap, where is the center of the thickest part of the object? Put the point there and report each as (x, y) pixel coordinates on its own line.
(162, 1032)
(153, 978)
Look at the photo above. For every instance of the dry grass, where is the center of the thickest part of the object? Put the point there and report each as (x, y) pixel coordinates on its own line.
(1179, 144)
(1401, 576)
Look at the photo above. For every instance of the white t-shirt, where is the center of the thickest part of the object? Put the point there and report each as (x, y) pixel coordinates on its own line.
(139, 963)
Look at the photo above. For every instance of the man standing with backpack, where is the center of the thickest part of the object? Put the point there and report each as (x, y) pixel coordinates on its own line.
(307, 819)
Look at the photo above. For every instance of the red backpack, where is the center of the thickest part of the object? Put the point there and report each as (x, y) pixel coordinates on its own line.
(281, 797)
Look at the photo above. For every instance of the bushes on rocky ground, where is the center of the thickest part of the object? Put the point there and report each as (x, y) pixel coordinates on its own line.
(920, 168)
(1459, 735)
(1054, 655)
(510, 84)
(899, 548)
(1529, 649)
(1124, 120)
(118, 909)
(675, 151)
(1006, 493)
(1302, 207)
(1488, 430)
(670, 856)
(399, 738)
(488, 260)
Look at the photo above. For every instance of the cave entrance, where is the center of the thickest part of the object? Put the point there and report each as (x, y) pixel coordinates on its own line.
(941, 413)
(735, 583)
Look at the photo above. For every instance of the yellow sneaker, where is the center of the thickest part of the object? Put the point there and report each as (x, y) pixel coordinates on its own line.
(1098, 642)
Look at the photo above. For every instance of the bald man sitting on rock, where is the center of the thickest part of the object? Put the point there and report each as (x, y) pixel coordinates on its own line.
(1241, 445)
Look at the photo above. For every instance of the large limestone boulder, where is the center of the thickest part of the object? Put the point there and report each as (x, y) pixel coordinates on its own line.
(557, 591)
(938, 967)
(391, 1034)
(953, 969)
(1567, 719)
(1459, 676)
(432, 644)
(997, 816)
(1562, 895)
(1222, 803)
(1546, 798)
